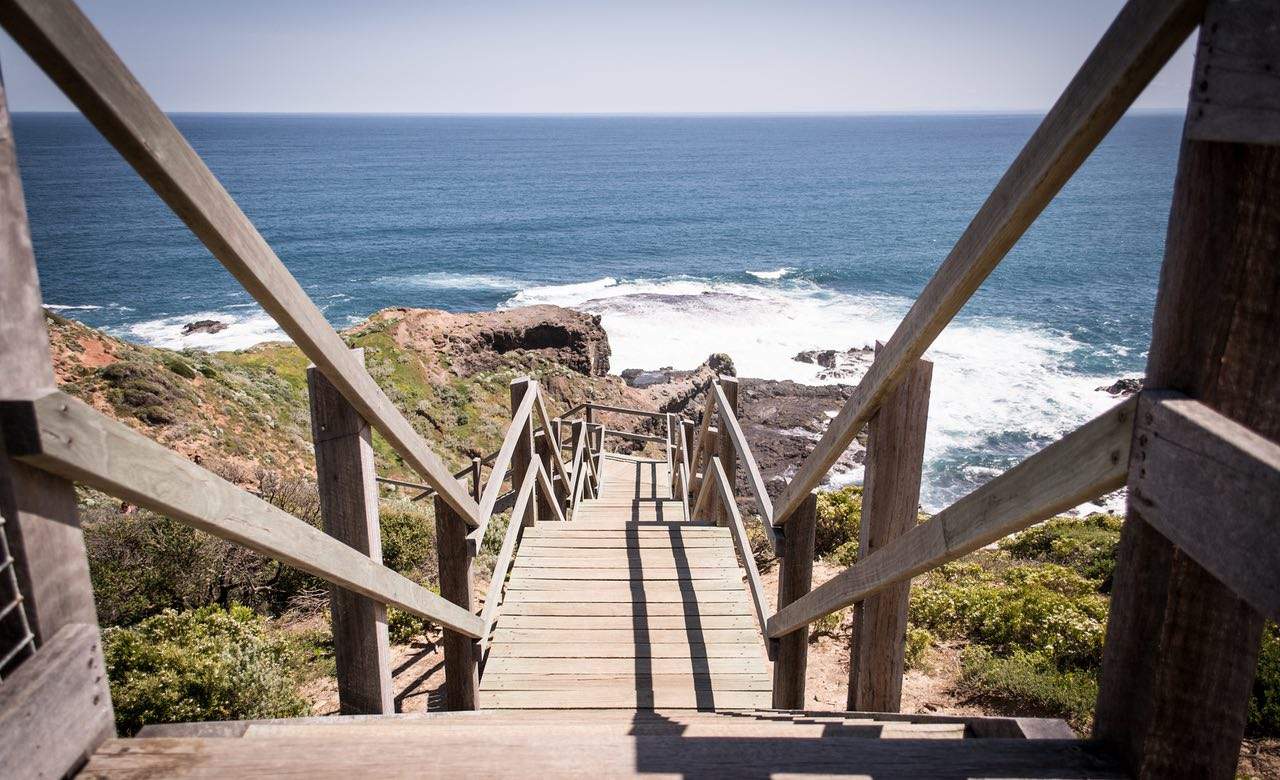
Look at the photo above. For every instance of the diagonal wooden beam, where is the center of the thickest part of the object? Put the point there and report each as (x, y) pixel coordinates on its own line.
(1139, 42)
(66, 45)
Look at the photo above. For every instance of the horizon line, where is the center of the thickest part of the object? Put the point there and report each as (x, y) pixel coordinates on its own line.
(625, 114)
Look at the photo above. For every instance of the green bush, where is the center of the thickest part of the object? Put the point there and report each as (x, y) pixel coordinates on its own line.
(1264, 706)
(1086, 545)
(919, 642)
(409, 540)
(205, 664)
(1030, 684)
(839, 516)
(404, 627)
(1044, 608)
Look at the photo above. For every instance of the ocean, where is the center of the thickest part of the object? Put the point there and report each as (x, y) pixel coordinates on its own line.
(756, 236)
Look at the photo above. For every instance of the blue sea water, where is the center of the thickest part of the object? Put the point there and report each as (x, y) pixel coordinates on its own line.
(756, 236)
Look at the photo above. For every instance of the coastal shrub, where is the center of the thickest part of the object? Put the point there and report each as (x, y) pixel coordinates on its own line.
(204, 664)
(1029, 684)
(141, 389)
(404, 627)
(839, 516)
(180, 367)
(1044, 608)
(919, 642)
(1086, 545)
(1264, 706)
(409, 539)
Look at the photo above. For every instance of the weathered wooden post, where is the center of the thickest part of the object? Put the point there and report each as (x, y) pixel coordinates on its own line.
(525, 451)
(461, 653)
(890, 503)
(724, 444)
(1181, 649)
(477, 483)
(795, 578)
(349, 508)
(673, 451)
(67, 710)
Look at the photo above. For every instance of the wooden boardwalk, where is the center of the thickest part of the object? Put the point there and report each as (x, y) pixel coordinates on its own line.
(629, 605)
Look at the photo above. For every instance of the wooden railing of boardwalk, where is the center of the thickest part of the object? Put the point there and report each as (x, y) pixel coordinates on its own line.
(1198, 569)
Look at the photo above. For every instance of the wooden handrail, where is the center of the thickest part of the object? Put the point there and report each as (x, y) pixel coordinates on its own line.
(1139, 42)
(67, 437)
(763, 505)
(622, 410)
(549, 430)
(739, 533)
(633, 436)
(65, 44)
(502, 463)
(506, 555)
(1086, 463)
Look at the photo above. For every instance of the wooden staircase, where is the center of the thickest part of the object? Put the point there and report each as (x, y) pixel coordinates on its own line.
(630, 605)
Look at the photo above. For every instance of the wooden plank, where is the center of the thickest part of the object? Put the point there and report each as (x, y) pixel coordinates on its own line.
(473, 753)
(461, 654)
(690, 588)
(1181, 650)
(67, 437)
(515, 438)
(587, 682)
(795, 578)
(349, 509)
(628, 608)
(639, 560)
(625, 650)
(1234, 95)
(625, 697)
(624, 410)
(523, 390)
(550, 501)
(56, 707)
(41, 525)
(709, 636)
(670, 574)
(553, 458)
(622, 596)
(1134, 48)
(656, 543)
(63, 42)
(738, 665)
(637, 622)
(697, 463)
(745, 555)
(1084, 464)
(890, 507)
(1197, 464)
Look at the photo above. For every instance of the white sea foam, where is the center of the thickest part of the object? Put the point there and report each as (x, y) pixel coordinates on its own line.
(993, 380)
(244, 329)
(450, 281)
(773, 275)
(69, 307)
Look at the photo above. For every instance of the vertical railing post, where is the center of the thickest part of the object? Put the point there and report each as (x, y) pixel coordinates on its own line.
(673, 451)
(477, 483)
(595, 444)
(349, 509)
(525, 451)
(724, 445)
(1181, 650)
(795, 578)
(690, 430)
(890, 507)
(461, 653)
(41, 522)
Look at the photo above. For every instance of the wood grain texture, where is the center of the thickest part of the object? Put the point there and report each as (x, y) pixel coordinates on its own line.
(523, 395)
(795, 578)
(349, 510)
(506, 555)
(726, 390)
(461, 655)
(1194, 464)
(1134, 48)
(65, 44)
(1235, 94)
(1181, 647)
(56, 708)
(746, 557)
(475, 753)
(79, 443)
(890, 508)
(42, 525)
(1084, 464)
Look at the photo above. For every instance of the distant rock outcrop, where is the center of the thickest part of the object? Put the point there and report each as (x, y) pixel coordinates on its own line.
(1123, 387)
(203, 326)
(844, 365)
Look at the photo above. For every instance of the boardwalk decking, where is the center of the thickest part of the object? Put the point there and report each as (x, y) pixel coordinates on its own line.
(629, 605)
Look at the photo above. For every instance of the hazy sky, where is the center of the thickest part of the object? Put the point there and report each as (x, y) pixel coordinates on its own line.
(499, 56)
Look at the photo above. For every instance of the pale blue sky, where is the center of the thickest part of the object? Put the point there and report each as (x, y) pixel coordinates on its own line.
(504, 56)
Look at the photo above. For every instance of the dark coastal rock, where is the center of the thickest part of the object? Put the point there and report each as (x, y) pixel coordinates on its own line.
(203, 326)
(1123, 387)
(848, 365)
(477, 341)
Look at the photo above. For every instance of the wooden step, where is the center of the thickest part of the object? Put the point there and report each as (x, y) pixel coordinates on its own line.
(627, 649)
(475, 752)
(648, 622)
(628, 609)
(710, 636)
